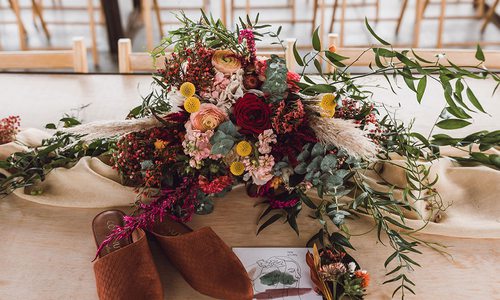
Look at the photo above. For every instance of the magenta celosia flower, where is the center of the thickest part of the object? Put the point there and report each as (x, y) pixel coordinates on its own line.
(247, 34)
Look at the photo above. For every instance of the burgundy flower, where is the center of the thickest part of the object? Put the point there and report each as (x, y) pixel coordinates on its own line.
(252, 114)
(251, 81)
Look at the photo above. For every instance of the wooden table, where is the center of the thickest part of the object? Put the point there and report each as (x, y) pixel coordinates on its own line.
(46, 251)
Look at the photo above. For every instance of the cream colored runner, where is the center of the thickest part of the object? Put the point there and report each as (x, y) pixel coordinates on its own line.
(470, 192)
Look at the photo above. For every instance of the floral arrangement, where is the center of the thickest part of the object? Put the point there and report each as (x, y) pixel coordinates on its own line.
(220, 115)
(9, 127)
(336, 275)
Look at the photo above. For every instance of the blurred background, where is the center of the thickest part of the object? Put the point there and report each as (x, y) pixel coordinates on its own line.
(27, 25)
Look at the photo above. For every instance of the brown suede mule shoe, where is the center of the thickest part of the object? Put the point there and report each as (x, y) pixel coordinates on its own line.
(204, 260)
(125, 269)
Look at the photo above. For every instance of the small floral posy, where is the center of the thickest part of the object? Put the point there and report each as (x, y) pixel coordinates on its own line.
(220, 116)
(337, 275)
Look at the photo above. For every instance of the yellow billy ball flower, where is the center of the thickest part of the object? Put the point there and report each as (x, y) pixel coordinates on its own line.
(187, 89)
(192, 104)
(237, 168)
(328, 105)
(328, 102)
(160, 144)
(243, 148)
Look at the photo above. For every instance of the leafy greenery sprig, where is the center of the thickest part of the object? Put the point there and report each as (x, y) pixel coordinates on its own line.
(386, 211)
(61, 150)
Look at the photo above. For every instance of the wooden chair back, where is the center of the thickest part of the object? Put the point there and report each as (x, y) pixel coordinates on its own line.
(75, 58)
(130, 62)
(59, 19)
(149, 6)
(359, 57)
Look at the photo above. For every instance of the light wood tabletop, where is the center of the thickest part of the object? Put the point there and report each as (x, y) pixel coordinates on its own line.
(46, 251)
(44, 98)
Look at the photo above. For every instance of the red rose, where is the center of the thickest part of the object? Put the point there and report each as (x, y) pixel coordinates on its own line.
(252, 114)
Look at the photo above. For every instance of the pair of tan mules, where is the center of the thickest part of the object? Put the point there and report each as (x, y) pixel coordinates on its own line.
(125, 269)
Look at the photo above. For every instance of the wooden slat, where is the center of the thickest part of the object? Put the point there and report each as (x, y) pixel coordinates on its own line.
(36, 59)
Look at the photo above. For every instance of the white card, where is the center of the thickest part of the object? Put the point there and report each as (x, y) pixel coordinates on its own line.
(278, 273)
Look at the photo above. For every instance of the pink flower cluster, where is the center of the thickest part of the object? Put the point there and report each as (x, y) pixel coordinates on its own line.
(260, 69)
(260, 170)
(247, 34)
(288, 117)
(197, 145)
(266, 138)
(218, 87)
(9, 127)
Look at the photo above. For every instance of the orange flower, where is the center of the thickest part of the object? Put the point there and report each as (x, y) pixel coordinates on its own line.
(208, 117)
(160, 144)
(364, 276)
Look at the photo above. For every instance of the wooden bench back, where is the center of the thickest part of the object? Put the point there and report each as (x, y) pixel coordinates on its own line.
(75, 58)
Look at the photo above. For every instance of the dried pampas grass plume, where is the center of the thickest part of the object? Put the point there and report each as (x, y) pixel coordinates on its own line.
(344, 134)
(107, 129)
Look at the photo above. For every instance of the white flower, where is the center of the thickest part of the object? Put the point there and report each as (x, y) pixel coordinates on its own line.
(176, 100)
(352, 267)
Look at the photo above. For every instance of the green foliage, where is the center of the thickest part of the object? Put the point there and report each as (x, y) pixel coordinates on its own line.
(224, 138)
(276, 74)
(62, 150)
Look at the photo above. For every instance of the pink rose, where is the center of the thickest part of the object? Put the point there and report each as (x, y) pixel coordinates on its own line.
(207, 118)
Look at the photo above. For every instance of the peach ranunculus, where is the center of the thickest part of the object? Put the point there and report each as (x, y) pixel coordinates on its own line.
(208, 117)
(226, 61)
